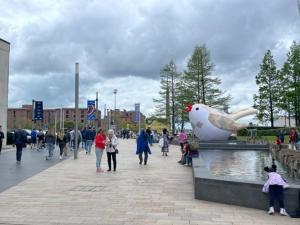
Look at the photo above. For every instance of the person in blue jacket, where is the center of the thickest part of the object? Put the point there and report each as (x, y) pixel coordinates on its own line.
(143, 147)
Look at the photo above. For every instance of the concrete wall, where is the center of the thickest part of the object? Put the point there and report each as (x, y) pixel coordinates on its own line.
(4, 73)
(235, 192)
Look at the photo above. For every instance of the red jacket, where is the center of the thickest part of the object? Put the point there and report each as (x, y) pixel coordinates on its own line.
(100, 141)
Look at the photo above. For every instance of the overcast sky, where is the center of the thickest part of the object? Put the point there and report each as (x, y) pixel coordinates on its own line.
(123, 45)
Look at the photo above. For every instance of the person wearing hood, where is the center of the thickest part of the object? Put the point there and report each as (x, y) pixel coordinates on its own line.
(143, 147)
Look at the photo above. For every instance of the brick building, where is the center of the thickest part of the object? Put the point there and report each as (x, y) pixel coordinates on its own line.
(23, 116)
(123, 118)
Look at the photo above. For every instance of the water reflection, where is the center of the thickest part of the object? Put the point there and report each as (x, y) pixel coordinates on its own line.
(242, 165)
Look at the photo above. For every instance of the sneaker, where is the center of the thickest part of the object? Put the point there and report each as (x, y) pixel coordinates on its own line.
(60, 157)
(108, 170)
(98, 170)
(271, 211)
(141, 162)
(283, 212)
(18, 162)
(101, 170)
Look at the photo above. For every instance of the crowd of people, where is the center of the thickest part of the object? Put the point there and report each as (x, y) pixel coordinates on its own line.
(294, 139)
(108, 142)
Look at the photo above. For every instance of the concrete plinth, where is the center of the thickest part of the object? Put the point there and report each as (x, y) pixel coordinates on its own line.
(4, 73)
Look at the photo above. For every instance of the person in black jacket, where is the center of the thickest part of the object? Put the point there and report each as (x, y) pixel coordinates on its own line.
(50, 143)
(61, 140)
(20, 139)
(1, 138)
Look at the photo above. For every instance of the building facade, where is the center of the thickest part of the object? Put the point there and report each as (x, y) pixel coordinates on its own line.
(4, 77)
(63, 117)
(120, 118)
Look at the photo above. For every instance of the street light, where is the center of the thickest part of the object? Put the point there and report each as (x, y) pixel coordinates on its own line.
(115, 93)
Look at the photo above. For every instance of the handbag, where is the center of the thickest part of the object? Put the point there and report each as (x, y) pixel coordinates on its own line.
(116, 150)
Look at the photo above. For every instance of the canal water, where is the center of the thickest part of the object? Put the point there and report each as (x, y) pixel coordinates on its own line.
(243, 165)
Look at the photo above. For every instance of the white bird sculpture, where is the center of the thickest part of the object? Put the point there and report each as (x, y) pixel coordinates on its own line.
(210, 124)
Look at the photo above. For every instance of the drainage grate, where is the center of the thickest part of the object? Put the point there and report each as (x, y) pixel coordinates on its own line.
(87, 188)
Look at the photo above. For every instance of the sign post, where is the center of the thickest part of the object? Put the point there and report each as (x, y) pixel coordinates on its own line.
(137, 117)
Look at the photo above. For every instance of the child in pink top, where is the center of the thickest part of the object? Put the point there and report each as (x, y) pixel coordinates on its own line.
(275, 187)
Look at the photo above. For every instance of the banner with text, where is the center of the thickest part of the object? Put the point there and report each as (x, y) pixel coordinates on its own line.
(137, 113)
(91, 110)
(38, 110)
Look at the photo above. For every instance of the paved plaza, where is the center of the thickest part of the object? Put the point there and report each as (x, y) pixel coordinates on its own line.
(71, 192)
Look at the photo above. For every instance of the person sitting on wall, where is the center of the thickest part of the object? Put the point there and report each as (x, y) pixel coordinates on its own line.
(275, 187)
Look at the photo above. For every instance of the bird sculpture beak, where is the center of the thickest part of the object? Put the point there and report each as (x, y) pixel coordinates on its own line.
(188, 107)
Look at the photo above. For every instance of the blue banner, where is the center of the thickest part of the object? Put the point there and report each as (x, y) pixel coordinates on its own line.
(38, 110)
(137, 113)
(91, 110)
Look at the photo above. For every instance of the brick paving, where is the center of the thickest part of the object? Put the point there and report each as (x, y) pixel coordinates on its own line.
(160, 193)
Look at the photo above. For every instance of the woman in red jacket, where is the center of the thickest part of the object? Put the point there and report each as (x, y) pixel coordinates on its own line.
(99, 148)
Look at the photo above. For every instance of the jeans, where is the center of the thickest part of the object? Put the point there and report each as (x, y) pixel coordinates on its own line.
(50, 148)
(113, 156)
(0, 145)
(141, 157)
(88, 145)
(19, 151)
(61, 149)
(276, 192)
(99, 153)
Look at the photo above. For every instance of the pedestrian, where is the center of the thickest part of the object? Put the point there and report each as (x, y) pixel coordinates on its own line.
(83, 133)
(143, 147)
(165, 144)
(72, 139)
(20, 140)
(41, 139)
(281, 135)
(89, 139)
(149, 135)
(278, 143)
(297, 140)
(111, 149)
(99, 148)
(1, 138)
(61, 141)
(275, 187)
(50, 143)
(182, 137)
(292, 138)
(33, 135)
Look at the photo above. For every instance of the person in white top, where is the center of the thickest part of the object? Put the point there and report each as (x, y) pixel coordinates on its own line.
(275, 187)
(111, 149)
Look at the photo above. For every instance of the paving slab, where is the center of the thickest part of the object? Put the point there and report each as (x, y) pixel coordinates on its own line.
(161, 192)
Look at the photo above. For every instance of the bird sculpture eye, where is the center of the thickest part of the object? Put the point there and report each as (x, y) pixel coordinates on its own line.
(197, 108)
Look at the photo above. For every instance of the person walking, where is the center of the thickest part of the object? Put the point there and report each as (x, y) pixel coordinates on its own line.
(41, 139)
(33, 135)
(89, 139)
(111, 149)
(83, 133)
(150, 135)
(99, 148)
(20, 139)
(1, 138)
(50, 143)
(61, 140)
(165, 146)
(143, 147)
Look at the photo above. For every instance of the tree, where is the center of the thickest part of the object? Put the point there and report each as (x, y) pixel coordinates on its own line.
(293, 62)
(268, 81)
(202, 85)
(166, 106)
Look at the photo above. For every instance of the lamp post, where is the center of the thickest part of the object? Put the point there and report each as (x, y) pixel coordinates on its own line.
(76, 109)
(115, 93)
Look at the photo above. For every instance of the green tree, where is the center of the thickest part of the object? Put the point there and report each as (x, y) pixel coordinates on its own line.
(166, 103)
(268, 81)
(202, 85)
(293, 62)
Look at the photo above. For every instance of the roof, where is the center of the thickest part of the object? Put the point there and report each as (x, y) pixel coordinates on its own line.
(4, 41)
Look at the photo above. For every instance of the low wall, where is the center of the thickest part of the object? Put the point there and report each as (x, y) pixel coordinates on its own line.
(289, 158)
(230, 191)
